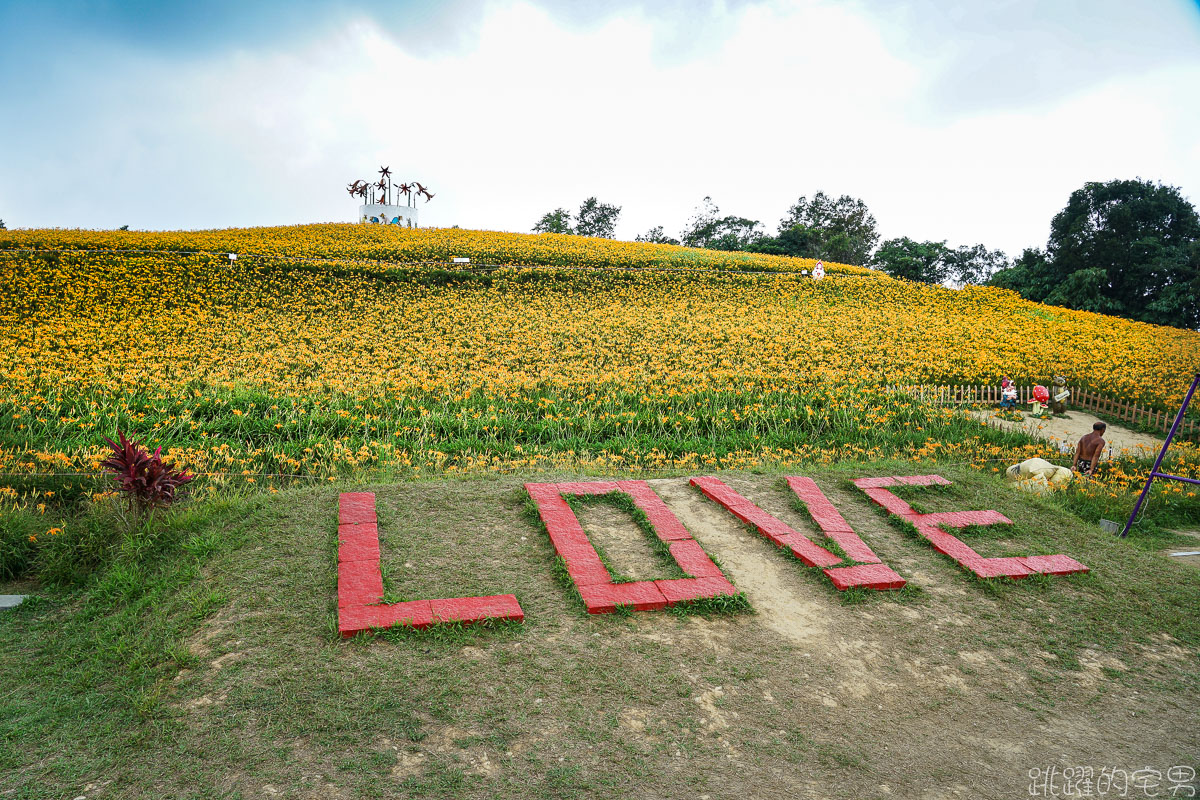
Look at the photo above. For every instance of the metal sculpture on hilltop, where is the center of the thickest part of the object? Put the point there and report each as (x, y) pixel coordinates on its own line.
(382, 191)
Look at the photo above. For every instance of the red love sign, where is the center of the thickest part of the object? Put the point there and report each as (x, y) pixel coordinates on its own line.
(360, 583)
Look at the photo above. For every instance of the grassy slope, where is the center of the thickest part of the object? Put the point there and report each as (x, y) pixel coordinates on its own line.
(203, 662)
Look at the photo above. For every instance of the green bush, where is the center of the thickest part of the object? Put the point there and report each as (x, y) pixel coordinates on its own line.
(19, 533)
(87, 543)
(68, 553)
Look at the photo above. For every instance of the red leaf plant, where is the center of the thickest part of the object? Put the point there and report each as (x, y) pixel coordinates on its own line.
(145, 479)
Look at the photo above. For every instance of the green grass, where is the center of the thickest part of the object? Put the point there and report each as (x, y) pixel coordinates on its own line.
(200, 659)
(666, 568)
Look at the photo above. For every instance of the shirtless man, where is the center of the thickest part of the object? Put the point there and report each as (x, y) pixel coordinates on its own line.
(1087, 452)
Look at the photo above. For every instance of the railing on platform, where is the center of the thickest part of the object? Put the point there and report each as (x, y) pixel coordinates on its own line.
(1082, 399)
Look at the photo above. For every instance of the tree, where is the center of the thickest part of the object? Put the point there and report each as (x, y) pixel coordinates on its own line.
(934, 262)
(597, 219)
(735, 233)
(2, 228)
(557, 221)
(707, 228)
(975, 264)
(926, 262)
(594, 219)
(840, 230)
(1130, 248)
(655, 236)
(1026, 275)
(700, 226)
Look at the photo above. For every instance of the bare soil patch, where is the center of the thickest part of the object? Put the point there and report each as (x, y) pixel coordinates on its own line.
(1066, 432)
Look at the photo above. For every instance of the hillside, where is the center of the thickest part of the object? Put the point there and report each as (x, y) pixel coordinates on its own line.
(859, 326)
(286, 365)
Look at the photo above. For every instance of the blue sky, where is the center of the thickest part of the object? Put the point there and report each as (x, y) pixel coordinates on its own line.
(970, 122)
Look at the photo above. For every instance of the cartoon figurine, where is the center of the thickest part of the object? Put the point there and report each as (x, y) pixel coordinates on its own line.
(819, 271)
(1041, 396)
(1008, 393)
(1061, 393)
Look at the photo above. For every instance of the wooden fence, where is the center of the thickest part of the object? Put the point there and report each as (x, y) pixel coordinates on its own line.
(1083, 399)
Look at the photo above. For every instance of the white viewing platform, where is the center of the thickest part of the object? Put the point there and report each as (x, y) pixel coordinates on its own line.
(380, 214)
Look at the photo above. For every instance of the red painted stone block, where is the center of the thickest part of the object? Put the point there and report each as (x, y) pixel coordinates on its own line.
(779, 532)
(893, 504)
(586, 487)
(830, 520)
(358, 531)
(476, 609)
(812, 555)
(666, 525)
(582, 553)
(548, 499)
(639, 595)
(929, 527)
(875, 483)
(854, 547)
(356, 514)
(359, 583)
(1053, 565)
(542, 491)
(997, 567)
(567, 535)
(715, 489)
(947, 543)
(680, 589)
(961, 519)
(356, 500)
(923, 480)
(807, 490)
(880, 577)
(692, 559)
(354, 549)
(365, 618)
(587, 572)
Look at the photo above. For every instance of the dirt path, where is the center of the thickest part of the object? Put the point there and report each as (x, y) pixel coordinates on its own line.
(1066, 431)
(1190, 560)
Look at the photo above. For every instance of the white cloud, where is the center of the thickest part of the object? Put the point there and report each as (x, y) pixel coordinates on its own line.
(542, 112)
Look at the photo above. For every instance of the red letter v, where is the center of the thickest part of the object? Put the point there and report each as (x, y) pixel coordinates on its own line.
(869, 572)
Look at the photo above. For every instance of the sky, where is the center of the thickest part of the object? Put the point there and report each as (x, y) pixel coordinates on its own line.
(965, 122)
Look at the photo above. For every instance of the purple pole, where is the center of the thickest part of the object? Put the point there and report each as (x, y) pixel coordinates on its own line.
(1158, 461)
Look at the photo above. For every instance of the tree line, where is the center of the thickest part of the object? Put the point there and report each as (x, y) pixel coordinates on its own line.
(1128, 248)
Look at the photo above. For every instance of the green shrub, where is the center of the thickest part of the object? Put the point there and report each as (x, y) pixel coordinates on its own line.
(86, 543)
(19, 534)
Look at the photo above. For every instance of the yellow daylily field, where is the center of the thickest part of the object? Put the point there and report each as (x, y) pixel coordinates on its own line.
(327, 349)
